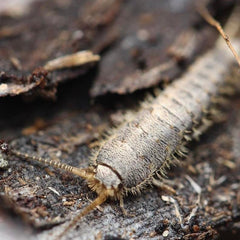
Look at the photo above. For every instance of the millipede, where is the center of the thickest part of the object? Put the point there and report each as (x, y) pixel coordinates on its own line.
(144, 147)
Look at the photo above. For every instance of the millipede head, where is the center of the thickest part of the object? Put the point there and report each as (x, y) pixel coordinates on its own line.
(101, 179)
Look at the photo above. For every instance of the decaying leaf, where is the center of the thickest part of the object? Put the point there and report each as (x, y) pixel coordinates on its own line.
(156, 33)
(35, 54)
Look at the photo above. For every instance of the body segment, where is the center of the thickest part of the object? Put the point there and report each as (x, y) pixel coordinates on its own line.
(142, 146)
(147, 144)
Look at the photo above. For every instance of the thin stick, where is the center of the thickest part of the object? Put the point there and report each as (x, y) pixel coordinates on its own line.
(71, 60)
(207, 16)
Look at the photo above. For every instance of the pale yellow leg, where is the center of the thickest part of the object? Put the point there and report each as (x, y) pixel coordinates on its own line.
(163, 186)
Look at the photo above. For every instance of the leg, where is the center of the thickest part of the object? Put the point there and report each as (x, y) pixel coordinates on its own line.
(163, 186)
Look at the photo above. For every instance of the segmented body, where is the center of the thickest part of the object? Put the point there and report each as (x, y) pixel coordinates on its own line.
(146, 144)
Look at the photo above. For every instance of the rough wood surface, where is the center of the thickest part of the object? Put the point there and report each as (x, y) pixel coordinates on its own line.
(41, 200)
(45, 198)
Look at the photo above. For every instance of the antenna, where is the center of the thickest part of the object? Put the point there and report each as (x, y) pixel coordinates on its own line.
(85, 173)
(98, 201)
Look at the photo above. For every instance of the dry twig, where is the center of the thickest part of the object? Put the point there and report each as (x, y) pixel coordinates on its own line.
(202, 9)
